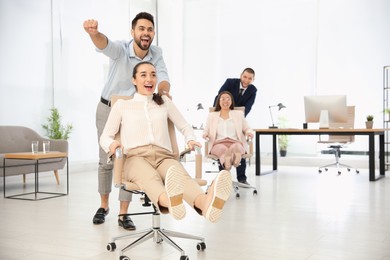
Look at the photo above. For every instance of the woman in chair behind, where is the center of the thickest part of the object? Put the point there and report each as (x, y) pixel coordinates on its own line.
(226, 131)
(150, 162)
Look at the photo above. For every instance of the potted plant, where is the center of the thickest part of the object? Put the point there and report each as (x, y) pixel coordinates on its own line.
(370, 121)
(283, 143)
(54, 128)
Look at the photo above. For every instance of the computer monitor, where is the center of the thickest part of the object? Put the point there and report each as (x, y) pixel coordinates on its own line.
(326, 109)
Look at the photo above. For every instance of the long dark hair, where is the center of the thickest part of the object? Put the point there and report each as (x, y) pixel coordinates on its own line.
(218, 106)
(156, 97)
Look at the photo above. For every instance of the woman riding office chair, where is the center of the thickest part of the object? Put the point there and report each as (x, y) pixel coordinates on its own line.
(211, 130)
(156, 232)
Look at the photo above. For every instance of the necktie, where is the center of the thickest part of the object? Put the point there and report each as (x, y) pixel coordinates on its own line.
(239, 97)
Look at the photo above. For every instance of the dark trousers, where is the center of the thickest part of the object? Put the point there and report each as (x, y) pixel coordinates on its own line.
(240, 170)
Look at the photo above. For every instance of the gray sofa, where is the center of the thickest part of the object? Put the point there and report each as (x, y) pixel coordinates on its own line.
(14, 139)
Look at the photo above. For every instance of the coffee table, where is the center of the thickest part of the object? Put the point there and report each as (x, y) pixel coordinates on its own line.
(36, 158)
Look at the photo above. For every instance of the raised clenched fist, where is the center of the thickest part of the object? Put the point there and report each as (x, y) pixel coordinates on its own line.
(91, 26)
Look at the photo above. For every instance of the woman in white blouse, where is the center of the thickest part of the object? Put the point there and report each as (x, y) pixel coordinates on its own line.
(150, 162)
(226, 131)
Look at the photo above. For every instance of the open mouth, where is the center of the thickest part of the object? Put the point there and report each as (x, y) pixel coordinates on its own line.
(145, 40)
(147, 86)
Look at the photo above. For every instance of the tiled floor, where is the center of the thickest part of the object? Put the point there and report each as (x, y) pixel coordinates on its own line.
(297, 214)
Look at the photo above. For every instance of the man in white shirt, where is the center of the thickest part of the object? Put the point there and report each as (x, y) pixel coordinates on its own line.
(123, 55)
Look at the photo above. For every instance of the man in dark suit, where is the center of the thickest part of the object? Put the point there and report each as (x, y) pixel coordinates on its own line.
(243, 91)
(244, 94)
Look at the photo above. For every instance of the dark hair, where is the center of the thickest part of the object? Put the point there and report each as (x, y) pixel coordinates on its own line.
(156, 97)
(218, 106)
(249, 70)
(142, 15)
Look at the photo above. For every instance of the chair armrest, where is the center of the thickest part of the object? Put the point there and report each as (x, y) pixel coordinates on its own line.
(198, 164)
(206, 148)
(250, 144)
(184, 153)
(119, 161)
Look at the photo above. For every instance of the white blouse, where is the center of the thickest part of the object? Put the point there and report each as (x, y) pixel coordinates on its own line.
(226, 129)
(142, 122)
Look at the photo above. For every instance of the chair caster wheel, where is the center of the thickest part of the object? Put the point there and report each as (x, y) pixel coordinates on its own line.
(357, 171)
(339, 172)
(348, 169)
(184, 257)
(123, 257)
(237, 195)
(319, 171)
(201, 246)
(111, 247)
(254, 192)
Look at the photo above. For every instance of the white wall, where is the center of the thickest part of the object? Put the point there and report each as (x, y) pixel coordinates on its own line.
(296, 47)
(70, 76)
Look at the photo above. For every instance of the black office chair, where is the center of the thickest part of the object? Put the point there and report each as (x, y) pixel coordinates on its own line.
(337, 142)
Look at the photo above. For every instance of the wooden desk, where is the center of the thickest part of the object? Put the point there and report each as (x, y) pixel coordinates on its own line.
(36, 157)
(370, 133)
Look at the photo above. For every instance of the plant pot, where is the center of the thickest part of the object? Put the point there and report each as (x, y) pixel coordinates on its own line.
(369, 124)
(283, 153)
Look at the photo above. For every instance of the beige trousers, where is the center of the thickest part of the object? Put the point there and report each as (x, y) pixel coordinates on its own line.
(147, 166)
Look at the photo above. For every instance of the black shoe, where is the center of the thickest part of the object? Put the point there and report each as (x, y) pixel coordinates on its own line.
(100, 215)
(126, 222)
(244, 182)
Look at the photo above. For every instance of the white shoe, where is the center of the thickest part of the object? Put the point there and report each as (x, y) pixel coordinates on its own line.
(174, 186)
(221, 188)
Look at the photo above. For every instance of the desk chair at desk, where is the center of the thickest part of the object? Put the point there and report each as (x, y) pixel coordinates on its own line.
(336, 142)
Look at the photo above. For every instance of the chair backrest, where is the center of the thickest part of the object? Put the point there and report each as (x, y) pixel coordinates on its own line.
(350, 124)
(119, 162)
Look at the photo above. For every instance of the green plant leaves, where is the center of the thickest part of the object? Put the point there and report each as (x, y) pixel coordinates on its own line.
(54, 128)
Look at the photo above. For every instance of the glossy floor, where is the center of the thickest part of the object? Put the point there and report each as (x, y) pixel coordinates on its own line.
(297, 214)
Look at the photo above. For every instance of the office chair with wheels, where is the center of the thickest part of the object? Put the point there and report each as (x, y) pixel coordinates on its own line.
(337, 142)
(155, 232)
(248, 156)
